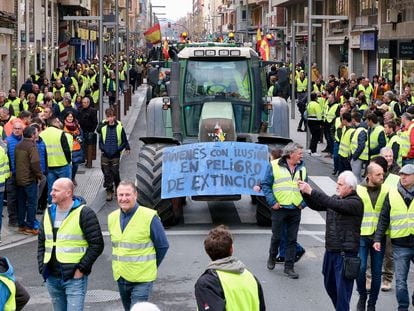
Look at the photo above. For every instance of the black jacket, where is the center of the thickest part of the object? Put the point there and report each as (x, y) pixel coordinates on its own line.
(92, 232)
(88, 119)
(343, 219)
(384, 221)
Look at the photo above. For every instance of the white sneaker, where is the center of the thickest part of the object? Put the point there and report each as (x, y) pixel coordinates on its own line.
(315, 154)
(308, 151)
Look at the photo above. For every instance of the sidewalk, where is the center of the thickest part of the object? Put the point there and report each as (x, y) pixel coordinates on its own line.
(89, 180)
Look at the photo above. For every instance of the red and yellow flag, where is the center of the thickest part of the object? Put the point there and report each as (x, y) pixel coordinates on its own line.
(264, 49)
(153, 34)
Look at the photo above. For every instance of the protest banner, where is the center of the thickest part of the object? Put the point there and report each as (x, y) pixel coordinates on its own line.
(213, 168)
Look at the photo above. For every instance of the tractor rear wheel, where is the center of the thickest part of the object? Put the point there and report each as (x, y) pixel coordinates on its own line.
(263, 215)
(148, 183)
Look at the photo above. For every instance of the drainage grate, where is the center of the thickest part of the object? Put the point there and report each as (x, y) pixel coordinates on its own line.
(40, 295)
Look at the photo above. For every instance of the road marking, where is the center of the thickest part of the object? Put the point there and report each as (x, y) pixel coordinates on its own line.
(233, 231)
(325, 183)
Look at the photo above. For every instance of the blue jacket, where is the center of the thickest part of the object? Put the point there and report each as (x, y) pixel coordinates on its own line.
(41, 147)
(157, 233)
(8, 273)
(267, 184)
(12, 141)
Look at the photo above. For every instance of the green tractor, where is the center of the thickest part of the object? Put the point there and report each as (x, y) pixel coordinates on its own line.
(210, 86)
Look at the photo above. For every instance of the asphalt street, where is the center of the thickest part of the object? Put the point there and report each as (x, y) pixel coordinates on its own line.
(186, 259)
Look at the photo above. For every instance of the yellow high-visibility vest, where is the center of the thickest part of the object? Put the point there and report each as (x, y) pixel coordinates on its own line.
(133, 252)
(401, 216)
(285, 187)
(371, 213)
(70, 245)
(240, 290)
(11, 301)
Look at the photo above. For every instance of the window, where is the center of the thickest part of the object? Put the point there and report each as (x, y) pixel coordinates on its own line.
(367, 7)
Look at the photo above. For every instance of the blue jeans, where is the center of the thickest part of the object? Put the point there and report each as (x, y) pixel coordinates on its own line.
(131, 293)
(335, 156)
(402, 257)
(27, 205)
(338, 288)
(282, 245)
(56, 173)
(365, 248)
(67, 295)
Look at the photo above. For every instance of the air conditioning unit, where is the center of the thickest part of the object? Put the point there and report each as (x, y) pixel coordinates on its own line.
(391, 16)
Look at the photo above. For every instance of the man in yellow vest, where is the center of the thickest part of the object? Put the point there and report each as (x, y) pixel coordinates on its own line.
(226, 284)
(301, 88)
(393, 140)
(372, 192)
(112, 141)
(139, 245)
(344, 151)
(70, 240)
(286, 203)
(359, 147)
(314, 119)
(376, 135)
(13, 296)
(397, 217)
(331, 112)
(59, 152)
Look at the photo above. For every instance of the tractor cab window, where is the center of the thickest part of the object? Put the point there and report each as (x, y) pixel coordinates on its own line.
(226, 81)
(212, 79)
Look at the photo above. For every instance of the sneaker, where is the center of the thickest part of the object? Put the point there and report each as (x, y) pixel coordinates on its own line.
(308, 151)
(109, 196)
(271, 263)
(386, 286)
(21, 230)
(30, 231)
(291, 273)
(280, 259)
(315, 154)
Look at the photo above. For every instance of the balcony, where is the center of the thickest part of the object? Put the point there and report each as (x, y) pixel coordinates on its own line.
(85, 4)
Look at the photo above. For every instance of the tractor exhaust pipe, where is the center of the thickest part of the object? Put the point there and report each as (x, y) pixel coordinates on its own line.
(175, 104)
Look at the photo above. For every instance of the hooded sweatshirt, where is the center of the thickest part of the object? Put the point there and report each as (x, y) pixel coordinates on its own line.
(208, 289)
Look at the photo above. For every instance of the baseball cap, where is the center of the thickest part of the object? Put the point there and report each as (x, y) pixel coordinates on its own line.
(407, 169)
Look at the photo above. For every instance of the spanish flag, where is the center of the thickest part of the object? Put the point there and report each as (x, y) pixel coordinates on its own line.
(264, 49)
(153, 34)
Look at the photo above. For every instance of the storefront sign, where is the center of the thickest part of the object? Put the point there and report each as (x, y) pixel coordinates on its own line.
(406, 50)
(368, 40)
(383, 49)
(75, 41)
(354, 41)
(222, 168)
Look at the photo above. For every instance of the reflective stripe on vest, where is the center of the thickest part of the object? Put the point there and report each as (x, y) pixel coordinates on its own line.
(373, 139)
(240, 291)
(70, 244)
(11, 301)
(371, 214)
(285, 187)
(118, 133)
(337, 124)
(354, 144)
(345, 143)
(133, 253)
(395, 139)
(55, 155)
(401, 217)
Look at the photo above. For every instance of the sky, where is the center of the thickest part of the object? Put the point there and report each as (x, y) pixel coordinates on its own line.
(174, 9)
